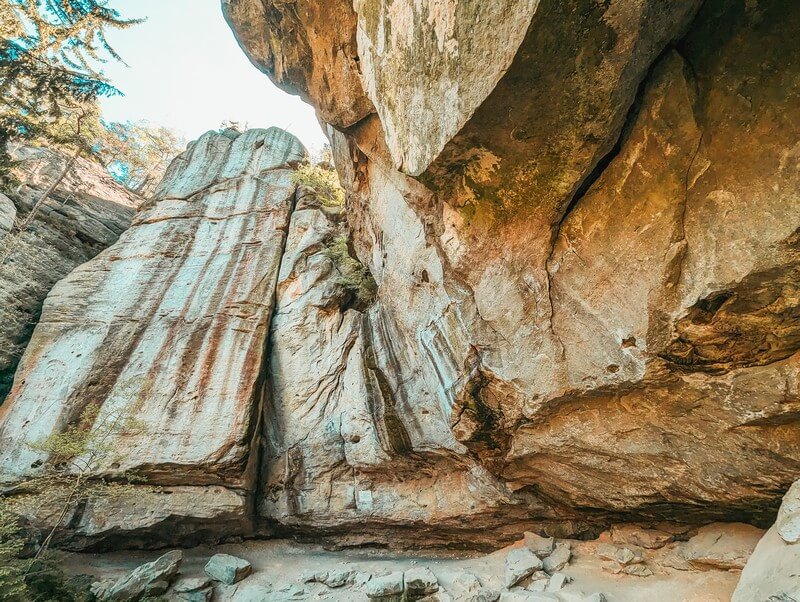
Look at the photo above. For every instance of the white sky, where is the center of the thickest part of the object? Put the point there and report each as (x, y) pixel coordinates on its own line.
(188, 73)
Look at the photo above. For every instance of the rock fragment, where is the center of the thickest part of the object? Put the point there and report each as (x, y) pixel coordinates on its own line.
(149, 580)
(386, 588)
(623, 556)
(228, 569)
(638, 570)
(788, 522)
(339, 578)
(557, 582)
(420, 581)
(484, 594)
(196, 589)
(541, 546)
(721, 546)
(633, 535)
(520, 563)
(558, 559)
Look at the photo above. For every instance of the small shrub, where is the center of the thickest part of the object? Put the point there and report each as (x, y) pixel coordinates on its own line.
(324, 181)
(27, 579)
(12, 568)
(353, 276)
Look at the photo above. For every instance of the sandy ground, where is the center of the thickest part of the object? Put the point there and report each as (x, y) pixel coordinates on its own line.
(279, 566)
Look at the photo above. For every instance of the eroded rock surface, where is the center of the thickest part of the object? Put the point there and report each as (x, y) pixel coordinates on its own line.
(586, 271)
(772, 571)
(84, 215)
(585, 308)
(168, 326)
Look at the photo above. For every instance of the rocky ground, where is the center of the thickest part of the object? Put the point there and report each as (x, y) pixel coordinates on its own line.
(706, 567)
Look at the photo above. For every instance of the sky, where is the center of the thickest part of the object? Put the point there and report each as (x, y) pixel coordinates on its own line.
(187, 72)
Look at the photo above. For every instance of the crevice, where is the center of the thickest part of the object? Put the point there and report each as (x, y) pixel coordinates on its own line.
(596, 173)
(263, 393)
(393, 434)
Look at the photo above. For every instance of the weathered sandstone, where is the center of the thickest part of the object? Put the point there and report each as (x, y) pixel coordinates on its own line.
(773, 570)
(168, 326)
(586, 302)
(85, 214)
(582, 221)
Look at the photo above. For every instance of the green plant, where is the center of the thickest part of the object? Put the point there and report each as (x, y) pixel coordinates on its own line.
(353, 276)
(27, 579)
(74, 459)
(323, 180)
(66, 481)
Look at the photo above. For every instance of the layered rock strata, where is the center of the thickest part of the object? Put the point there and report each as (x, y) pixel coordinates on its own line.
(84, 215)
(582, 221)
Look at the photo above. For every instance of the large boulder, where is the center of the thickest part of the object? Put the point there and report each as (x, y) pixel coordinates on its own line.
(85, 214)
(772, 571)
(228, 569)
(147, 581)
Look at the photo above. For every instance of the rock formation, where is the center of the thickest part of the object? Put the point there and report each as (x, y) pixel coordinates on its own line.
(86, 213)
(773, 571)
(583, 225)
(168, 326)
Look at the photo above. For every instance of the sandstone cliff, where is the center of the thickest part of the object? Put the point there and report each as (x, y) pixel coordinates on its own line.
(87, 213)
(582, 221)
(168, 326)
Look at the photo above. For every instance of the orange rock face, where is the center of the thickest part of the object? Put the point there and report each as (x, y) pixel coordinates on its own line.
(586, 301)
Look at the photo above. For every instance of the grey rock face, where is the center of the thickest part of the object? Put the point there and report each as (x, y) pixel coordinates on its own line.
(623, 556)
(197, 589)
(558, 558)
(560, 300)
(420, 582)
(484, 594)
(86, 214)
(386, 588)
(169, 325)
(541, 546)
(520, 563)
(772, 572)
(723, 546)
(788, 522)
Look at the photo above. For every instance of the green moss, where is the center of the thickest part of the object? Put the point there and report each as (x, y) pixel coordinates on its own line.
(353, 275)
(324, 182)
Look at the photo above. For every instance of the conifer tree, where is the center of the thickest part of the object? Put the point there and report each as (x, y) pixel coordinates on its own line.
(51, 52)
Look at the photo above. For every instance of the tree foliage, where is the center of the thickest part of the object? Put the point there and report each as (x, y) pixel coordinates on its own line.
(68, 479)
(137, 154)
(51, 52)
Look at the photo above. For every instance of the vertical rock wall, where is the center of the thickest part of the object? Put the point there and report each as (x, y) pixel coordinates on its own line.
(86, 214)
(586, 306)
(585, 267)
(168, 327)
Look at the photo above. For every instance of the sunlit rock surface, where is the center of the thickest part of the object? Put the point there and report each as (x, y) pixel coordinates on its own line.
(582, 221)
(586, 269)
(168, 326)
